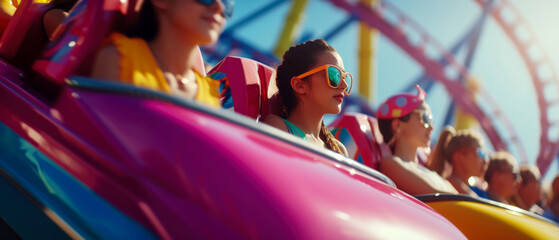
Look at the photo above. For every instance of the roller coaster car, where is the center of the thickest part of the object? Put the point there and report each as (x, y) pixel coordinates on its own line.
(476, 218)
(484, 219)
(94, 159)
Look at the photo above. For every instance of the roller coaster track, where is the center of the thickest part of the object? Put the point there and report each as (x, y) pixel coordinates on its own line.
(541, 71)
(424, 49)
(397, 27)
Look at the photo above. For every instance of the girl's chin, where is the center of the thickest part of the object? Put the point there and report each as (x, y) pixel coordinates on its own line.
(336, 110)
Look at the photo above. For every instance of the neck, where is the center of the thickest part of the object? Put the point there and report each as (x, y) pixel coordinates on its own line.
(527, 204)
(461, 185)
(523, 203)
(173, 53)
(405, 151)
(307, 119)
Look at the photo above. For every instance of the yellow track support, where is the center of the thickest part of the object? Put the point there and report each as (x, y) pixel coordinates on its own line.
(293, 19)
(464, 120)
(367, 59)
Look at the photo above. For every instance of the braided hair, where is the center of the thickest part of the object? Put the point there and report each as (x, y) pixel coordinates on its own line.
(298, 59)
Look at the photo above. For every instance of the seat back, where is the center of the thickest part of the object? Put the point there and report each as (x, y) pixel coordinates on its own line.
(248, 84)
(364, 132)
(79, 38)
(24, 37)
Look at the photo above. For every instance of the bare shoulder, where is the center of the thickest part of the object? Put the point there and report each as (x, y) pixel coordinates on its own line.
(342, 147)
(393, 165)
(390, 160)
(275, 121)
(106, 64)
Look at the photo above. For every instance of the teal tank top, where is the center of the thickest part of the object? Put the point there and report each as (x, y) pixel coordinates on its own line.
(291, 128)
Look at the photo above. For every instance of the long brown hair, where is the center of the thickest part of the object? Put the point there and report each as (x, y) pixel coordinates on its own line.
(450, 141)
(298, 59)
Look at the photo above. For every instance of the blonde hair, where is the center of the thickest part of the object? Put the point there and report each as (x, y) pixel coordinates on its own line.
(450, 141)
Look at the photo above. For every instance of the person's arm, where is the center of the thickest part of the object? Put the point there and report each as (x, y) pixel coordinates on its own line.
(275, 121)
(52, 20)
(408, 180)
(106, 65)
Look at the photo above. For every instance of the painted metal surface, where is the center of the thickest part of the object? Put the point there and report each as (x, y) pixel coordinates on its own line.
(181, 170)
(65, 201)
(177, 170)
(484, 219)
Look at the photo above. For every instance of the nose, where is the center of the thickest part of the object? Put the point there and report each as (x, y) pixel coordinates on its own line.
(431, 127)
(219, 7)
(343, 85)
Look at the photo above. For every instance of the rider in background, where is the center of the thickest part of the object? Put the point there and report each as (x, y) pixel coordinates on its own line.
(311, 81)
(552, 210)
(161, 50)
(406, 123)
(529, 190)
(502, 177)
(462, 153)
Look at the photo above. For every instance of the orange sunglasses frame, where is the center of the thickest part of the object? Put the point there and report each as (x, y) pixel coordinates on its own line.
(325, 67)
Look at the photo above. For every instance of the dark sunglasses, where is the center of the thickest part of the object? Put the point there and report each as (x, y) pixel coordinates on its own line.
(479, 153)
(425, 119)
(228, 5)
(515, 174)
(482, 154)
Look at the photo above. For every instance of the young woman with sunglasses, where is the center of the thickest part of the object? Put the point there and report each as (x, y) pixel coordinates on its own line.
(311, 81)
(160, 51)
(462, 150)
(406, 123)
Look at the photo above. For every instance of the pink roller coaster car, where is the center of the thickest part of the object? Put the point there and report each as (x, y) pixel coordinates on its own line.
(81, 158)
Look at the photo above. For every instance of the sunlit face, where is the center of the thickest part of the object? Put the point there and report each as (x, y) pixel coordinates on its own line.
(197, 23)
(326, 99)
(415, 129)
(506, 179)
(472, 161)
(531, 191)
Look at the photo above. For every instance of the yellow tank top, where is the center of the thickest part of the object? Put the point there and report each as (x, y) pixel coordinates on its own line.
(138, 67)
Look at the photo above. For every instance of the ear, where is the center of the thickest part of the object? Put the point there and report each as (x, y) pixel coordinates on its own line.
(395, 125)
(160, 4)
(298, 85)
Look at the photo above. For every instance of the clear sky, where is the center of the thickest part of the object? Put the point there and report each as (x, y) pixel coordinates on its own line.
(496, 64)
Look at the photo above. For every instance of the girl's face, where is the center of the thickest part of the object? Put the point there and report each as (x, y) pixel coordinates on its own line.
(198, 23)
(531, 190)
(327, 99)
(473, 161)
(507, 180)
(416, 129)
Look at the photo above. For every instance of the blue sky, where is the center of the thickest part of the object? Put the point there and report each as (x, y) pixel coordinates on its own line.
(496, 64)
